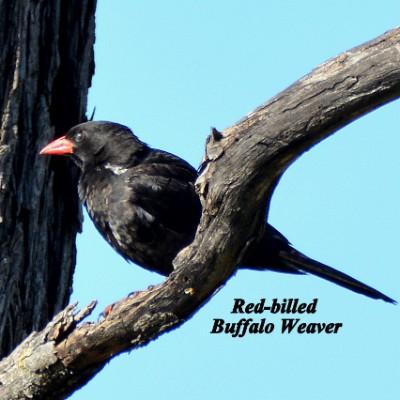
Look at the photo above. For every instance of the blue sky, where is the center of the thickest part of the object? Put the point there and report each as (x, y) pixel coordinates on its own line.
(170, 71)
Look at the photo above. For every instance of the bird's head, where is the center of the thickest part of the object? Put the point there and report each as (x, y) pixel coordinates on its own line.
(97, 142)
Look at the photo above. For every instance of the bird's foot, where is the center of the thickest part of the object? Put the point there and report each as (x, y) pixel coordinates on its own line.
(107, 311)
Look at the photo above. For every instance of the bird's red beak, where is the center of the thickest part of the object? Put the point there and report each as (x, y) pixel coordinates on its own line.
(59, 146)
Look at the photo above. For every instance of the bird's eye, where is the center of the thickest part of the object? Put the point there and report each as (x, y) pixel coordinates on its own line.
(78, 137)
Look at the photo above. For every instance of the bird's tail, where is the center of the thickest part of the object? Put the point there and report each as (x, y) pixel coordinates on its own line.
(302, 263)
(274, 252)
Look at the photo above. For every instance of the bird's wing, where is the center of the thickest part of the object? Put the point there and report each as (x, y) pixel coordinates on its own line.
(165, 190)
(153, 213)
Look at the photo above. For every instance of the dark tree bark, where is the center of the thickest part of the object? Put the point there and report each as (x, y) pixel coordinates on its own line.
(46, 65)
(55, 362)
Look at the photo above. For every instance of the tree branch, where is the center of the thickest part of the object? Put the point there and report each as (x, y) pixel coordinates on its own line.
(56, 361)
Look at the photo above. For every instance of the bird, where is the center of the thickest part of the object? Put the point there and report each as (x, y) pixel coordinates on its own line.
(143, 202)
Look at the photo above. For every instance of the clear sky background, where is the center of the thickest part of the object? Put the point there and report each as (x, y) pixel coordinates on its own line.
(172, 69)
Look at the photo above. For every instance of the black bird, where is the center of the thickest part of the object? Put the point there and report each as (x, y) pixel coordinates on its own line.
(143, 202)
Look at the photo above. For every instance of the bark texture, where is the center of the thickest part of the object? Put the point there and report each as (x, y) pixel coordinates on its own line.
(66, 354)
(46, 65)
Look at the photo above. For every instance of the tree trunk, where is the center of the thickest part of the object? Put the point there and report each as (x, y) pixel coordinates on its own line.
(46, 63)
(55, 362)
